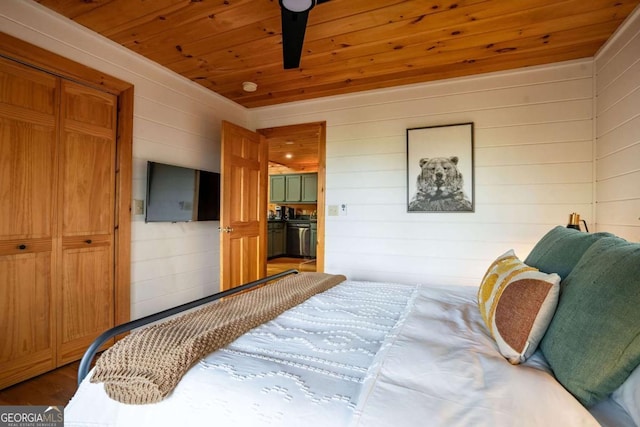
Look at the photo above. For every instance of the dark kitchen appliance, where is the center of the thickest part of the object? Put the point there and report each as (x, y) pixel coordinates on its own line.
(289, 212)
(298, 238)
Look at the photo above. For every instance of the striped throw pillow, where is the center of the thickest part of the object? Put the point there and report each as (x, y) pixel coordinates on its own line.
(517, 303)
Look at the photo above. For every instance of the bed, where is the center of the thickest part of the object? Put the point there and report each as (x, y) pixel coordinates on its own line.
(380, 354)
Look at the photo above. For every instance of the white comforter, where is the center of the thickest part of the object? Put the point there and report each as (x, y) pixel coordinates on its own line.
(361, 354)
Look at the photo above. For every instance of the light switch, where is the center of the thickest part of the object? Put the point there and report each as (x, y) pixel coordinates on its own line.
(138, 207)
(333, 210)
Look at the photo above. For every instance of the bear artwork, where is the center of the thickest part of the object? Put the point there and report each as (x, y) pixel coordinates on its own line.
(439, 186)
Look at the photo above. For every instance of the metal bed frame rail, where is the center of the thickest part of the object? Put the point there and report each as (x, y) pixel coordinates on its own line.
(88, 356)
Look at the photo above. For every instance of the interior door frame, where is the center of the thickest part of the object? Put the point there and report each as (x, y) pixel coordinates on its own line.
(322, 172)
(321, 217)
(20, 51)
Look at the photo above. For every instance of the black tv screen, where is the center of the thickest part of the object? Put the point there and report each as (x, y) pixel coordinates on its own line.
(177, 194)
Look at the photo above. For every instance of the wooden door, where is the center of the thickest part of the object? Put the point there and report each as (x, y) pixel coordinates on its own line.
(243, 219)
(46, 138)
(28, 141)
(86, 221)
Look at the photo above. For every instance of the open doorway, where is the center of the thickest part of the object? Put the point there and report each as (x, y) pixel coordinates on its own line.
(296, 197)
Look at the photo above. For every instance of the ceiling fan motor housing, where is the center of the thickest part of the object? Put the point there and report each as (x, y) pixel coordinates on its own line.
(298, 6)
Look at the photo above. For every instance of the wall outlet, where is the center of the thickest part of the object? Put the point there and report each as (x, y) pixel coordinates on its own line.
(138, 207)
(333, 210)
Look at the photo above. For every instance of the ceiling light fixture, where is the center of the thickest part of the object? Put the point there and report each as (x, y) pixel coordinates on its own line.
(249, 86)
(288, 155)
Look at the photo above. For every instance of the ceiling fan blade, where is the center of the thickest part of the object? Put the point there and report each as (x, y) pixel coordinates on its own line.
(294, 25)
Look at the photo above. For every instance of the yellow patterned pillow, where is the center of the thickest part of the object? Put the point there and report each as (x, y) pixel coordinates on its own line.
(517, 303)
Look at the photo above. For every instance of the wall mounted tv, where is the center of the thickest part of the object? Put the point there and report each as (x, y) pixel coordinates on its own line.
(177, 194)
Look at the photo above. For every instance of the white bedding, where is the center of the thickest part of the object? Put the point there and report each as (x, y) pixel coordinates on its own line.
(361, 354)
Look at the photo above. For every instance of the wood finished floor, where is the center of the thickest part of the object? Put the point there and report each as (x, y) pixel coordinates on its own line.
(278, 265)
(56, 388)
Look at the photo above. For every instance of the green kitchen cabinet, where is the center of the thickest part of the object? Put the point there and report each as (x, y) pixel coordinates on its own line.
(309, 187)
(293, 188)
(277, 185)
(279, 241)
(276, 241)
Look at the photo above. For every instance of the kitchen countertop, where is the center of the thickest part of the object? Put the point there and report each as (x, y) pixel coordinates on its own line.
(295, 220)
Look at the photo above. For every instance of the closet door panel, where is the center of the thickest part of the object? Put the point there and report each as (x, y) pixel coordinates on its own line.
(88, 160)
(26, 174)
(28, 140)
(28, 88)
(86, 296)
(27, 346)
(87, 185)
(27, 151)
(87, 195)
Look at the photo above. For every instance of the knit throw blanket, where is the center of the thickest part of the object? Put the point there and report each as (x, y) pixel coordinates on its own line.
(146, 366)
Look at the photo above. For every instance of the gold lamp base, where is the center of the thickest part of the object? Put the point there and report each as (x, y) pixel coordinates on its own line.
(574, 222)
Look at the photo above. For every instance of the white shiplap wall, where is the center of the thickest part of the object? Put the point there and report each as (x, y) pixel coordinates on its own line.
(533, 166)
(175, 121)
(618, 132)
(534, 160)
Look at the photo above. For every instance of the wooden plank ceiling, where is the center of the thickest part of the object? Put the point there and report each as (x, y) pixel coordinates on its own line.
(294, 147)
(350, 45)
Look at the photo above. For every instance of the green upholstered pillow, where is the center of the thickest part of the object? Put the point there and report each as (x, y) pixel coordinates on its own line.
(593, 341)
(560, 249)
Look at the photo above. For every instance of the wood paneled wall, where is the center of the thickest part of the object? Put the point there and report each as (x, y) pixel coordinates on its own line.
(618, 132)
(533, 166)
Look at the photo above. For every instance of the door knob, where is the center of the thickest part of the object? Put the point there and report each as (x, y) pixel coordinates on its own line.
(225, 229)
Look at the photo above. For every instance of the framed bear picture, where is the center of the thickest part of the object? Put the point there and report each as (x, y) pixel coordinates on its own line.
(440, 168)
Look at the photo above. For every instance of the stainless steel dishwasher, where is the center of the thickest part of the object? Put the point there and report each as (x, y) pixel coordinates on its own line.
(298, 238)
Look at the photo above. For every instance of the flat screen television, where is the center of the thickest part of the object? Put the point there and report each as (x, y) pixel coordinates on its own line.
(178, 194)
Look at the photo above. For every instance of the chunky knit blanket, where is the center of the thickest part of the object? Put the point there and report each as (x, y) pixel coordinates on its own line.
(146, 366)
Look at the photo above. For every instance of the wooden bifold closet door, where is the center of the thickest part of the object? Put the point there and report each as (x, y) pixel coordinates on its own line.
(57, 196)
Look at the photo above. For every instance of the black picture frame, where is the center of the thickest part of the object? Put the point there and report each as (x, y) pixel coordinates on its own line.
(440, 168)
